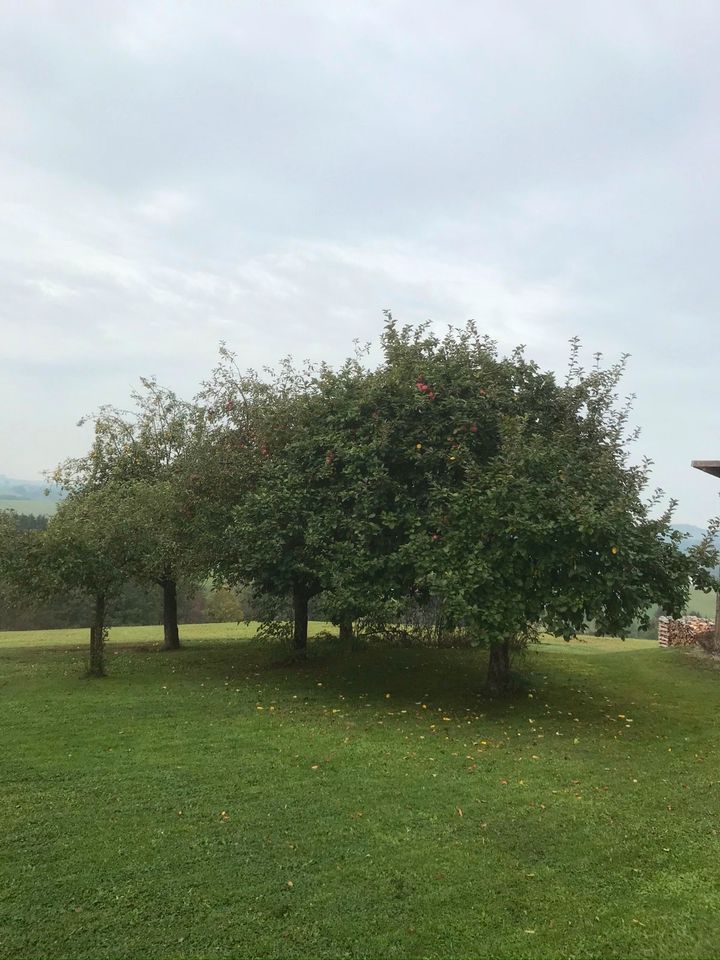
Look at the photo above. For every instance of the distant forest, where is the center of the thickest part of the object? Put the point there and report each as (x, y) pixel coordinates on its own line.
(31, 521)
(135, 605)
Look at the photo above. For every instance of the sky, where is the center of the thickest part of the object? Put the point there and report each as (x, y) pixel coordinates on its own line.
(275, 175)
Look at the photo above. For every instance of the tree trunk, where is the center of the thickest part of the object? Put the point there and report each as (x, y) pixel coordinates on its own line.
(171, 633)
(300, 613)
(97, 639)
(499, 666)
(346, 630)
(717, 619)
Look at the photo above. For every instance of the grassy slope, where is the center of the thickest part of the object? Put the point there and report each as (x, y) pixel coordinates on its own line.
(702, 603)
(43, 506)
(219, 803)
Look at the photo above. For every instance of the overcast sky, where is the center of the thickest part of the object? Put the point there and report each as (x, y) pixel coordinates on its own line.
(276, 174)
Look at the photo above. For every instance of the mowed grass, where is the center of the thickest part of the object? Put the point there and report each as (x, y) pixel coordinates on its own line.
(141, 636)
(225, 802)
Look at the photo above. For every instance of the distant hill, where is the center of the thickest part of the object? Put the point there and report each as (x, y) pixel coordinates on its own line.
(27, 496)
(11, 489)
(694, 534)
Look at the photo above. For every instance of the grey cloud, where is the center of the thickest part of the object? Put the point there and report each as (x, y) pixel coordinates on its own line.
(275, 176)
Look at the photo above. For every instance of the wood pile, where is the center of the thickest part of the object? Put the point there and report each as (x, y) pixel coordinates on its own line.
(683, 632)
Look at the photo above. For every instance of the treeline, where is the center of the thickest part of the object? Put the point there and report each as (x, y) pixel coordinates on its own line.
(449, 490)
(133, 605)
(31, 521)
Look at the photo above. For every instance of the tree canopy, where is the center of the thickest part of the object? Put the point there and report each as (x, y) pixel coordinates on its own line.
(149, 452)
(451, 475)
(447, 477)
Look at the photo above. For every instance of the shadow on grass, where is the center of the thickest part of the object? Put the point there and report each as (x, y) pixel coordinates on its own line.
(405, 679)
(550, 679)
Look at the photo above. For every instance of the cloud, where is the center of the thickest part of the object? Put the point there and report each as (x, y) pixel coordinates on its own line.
(173, 175)
(164, 207)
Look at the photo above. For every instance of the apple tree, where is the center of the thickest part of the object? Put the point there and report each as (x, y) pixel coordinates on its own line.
(279, 508)
(150, 452)
(538, 517)
(87, 549)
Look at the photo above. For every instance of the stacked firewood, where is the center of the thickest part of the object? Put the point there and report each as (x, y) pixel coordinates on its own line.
(683, 632)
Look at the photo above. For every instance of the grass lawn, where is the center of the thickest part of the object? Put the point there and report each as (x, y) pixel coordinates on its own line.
(138, 636)
(221, 802)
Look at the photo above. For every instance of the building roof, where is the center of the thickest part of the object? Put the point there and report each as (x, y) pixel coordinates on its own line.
(708, 466)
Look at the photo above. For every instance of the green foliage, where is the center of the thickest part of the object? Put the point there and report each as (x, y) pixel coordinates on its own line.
(451, 476)
(533, 513)
(21, 552)
(134, 603)
(224, 605)
(31, 521)
(89, 545)
(147, 454)
(30, 599)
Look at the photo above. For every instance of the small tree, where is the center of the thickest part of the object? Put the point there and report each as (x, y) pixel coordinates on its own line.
(150, 452)
(86, 549)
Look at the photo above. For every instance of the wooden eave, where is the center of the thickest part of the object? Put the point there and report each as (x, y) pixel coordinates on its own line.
(708, 466)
